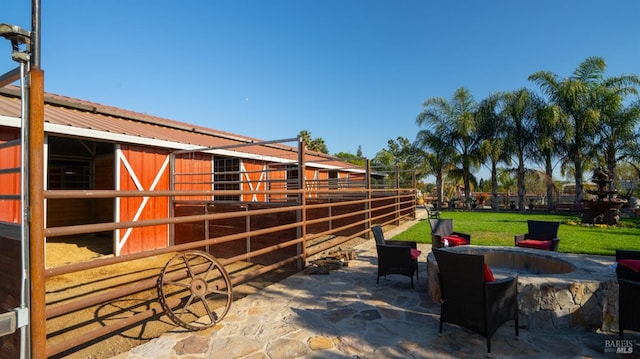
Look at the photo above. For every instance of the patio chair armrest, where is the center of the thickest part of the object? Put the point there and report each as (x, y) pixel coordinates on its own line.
(519, 237)
(394, 254)
(463, 235)
(436, 240)
(502, 288)
(392, 242)
(629, 312)
(627, 254)
(623, 273)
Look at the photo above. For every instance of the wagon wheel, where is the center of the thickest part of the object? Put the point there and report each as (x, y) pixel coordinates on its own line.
(202, 285)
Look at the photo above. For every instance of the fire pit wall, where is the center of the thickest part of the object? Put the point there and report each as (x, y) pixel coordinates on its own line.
(555, 290)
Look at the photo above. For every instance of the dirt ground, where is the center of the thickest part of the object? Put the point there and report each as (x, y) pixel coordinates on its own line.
(64, 288)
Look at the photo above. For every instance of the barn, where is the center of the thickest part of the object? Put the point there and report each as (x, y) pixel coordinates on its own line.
(151, 186)
(96, 147)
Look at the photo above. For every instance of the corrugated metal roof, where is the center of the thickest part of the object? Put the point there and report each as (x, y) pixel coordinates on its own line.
(70, 116)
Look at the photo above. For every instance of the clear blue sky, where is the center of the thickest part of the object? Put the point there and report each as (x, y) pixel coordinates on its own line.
(353, 72)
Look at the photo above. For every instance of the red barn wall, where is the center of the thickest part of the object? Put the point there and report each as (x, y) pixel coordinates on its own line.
(10, 158)
(194, 172)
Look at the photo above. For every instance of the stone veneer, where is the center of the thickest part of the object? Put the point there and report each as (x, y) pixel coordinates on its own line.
(555, 290)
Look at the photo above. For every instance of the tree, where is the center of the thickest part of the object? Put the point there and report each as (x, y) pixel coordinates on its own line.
(548, 118)
(437, 155)
(316, 144)
(397, 156)
(456, 122)
(587, 99)
(351, 158)
(507, 182)
(575, 97)
(616, 134)
(519, 111)
(494, 146)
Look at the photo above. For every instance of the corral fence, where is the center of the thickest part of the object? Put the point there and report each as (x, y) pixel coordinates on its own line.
(263, 221)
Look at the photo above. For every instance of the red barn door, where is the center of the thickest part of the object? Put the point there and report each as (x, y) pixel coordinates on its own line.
(141, 169)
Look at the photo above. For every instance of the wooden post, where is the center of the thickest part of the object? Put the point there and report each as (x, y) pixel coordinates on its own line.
(36, 215)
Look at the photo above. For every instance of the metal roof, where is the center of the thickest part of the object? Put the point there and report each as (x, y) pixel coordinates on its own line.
(75, 117)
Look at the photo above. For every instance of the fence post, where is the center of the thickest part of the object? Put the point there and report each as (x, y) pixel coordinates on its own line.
(36, 215)
(302, 200)
(397, 212)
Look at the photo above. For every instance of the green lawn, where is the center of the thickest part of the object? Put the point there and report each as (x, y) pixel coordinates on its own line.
(491, 228)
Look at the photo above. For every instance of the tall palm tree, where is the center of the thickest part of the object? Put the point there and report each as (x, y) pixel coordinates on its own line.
(575, 97)
(519, 111)
(618, 123)
(547, 139)
(455, 120)
(507, 182)
(494, 147)
(586, 98)
(438, 155)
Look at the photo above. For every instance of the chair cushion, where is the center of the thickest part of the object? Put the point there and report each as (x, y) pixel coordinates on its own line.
(415, 253)
(455, 240)
(488, 274)
(535, 243)
(632, 264)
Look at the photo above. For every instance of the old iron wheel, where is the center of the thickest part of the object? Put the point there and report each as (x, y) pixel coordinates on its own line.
(204, 288)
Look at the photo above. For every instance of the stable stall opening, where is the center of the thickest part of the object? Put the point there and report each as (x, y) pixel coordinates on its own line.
(79, 164)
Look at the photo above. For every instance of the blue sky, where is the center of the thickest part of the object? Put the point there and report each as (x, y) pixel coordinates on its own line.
(353, 72)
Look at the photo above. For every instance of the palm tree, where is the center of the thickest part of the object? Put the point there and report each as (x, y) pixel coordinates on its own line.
(494, 147)
(507, 182)
(438, 156)
(455, 120)
(316, 144)
(519, 111)
(547, 140)
(575, 97)
(616, 134)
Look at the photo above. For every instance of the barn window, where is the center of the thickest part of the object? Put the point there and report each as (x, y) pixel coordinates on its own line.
(333, 180)
(292, 180)
(70, 174)
(226, 177)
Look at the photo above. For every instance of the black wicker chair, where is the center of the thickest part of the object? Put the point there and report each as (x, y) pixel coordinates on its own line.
(541, 235)
(628, 291)
(395, 257)
(471, 302)
(442, 228)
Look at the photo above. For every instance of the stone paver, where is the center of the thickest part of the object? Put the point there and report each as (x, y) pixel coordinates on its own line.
(346, 315)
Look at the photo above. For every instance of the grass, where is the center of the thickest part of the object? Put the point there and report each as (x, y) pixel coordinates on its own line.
(498, 229)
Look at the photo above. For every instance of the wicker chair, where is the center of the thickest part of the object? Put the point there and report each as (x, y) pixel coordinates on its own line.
(395, 257)
(432, 212)
(628, 291)
(541, 235)
(443, 228)
(470, 301)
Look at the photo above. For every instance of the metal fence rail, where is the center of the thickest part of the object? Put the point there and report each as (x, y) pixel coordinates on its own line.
(317, 220)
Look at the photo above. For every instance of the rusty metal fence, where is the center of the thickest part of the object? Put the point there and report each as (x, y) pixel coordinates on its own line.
(260, 237)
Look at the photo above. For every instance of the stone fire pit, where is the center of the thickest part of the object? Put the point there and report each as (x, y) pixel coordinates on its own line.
(555, 290)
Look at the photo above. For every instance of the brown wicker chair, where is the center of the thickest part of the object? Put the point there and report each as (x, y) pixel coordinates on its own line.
(442, 228)
(471, 302)
(395, 257)
(541, 235)
(628, 292)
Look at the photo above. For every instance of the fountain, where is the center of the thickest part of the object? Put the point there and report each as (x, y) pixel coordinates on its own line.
(605, 208)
